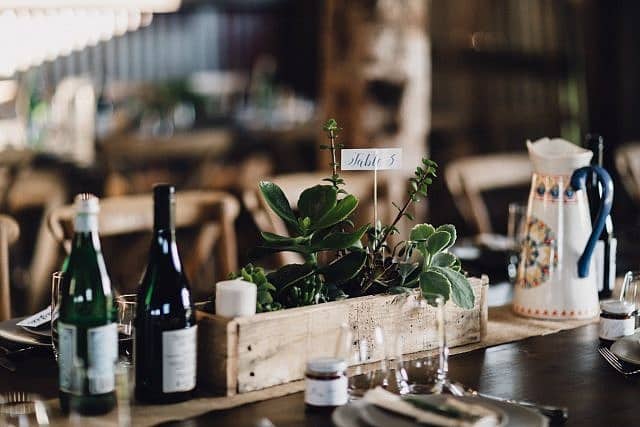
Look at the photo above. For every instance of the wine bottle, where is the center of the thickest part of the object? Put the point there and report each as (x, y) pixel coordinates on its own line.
(606, 247)
(87, 334)
(165, 335)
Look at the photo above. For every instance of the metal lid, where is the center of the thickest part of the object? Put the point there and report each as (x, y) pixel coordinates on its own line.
(618, 307)
(87, 203)
(326, 365)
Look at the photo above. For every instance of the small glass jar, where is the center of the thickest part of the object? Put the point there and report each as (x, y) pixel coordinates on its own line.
(617, 319)
(326, 384)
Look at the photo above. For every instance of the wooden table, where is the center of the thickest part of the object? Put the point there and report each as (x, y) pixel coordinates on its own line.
(560, 369)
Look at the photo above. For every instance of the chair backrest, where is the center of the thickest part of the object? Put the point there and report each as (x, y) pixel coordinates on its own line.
(468, 177)
(9, 233)
(213, 212)
(358, 184)
(628, 166)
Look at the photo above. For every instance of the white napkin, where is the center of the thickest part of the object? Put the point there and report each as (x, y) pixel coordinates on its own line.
(394, 403)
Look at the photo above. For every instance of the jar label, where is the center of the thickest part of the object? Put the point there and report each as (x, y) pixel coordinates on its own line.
(333, 392)
(179, 360)
(612, 329)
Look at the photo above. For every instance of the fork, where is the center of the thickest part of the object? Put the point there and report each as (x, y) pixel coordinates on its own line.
(615, 362)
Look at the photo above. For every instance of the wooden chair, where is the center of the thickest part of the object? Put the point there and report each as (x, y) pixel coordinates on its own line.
(628, 166)
(9, 233)
(214, 213)
(468, 177)
(358, 184)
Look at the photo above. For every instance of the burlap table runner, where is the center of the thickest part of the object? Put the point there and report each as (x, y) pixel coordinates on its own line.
(503, 327)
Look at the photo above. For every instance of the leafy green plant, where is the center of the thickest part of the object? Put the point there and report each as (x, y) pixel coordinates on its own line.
(318, 226)
(266, 290)
(441, 271)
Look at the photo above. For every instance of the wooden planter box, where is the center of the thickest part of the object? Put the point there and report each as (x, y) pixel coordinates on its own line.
(251, 353)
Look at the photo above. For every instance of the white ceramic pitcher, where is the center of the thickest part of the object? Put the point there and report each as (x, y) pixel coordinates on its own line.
(556, 279)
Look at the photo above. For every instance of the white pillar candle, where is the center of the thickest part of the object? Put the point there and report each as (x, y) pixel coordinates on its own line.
(235, 298)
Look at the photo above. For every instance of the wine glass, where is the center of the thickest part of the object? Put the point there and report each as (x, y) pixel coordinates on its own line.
(126, 306)
(516, 232)
(56, 279)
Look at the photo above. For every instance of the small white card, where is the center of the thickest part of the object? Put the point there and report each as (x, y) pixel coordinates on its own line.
(371, 159)
(38, 319)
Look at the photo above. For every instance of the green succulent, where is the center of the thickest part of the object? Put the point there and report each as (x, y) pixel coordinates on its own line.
(266, 290)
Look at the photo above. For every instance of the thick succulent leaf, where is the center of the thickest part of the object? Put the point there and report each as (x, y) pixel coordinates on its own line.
(275, 238)
(339, 240)
(419, 234)
(289, 275)
(316, 201)
(258, 252)
(278, 202)
(443, 259)
(451, 229)
(406, 268)
(461, 292)
(434, 282)
(437, 242)
(338, 213)
(344, 268)
(399, 290)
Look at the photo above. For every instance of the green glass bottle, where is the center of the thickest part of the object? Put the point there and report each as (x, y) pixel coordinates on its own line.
(165, 337)
(87, 334)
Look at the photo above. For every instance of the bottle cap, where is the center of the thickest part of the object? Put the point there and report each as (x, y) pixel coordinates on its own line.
(326, 365)
(618, 307)
(87, 203)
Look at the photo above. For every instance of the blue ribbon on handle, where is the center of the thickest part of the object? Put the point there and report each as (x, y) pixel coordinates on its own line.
(578, 182)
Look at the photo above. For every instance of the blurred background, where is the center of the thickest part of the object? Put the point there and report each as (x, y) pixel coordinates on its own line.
(113, 96)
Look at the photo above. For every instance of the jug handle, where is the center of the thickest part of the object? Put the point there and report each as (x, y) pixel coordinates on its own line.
(578, 182)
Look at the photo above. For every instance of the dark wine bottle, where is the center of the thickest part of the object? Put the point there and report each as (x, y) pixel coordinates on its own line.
(165, 336)
(605, 251)
(87, 334)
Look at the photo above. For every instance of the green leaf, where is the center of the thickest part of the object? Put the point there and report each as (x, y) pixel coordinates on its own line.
(289, 275)
(277, 201)
(339, 212)
(461, 292)
(264, 297)
(420, 233)
(405, 268)
(316, 201)
(399, 290)
(443, 259)
(330, 125)
(275, 238)
(344, 268)
(437, 242)
(434, 282)
(451, 229)
(339, 240)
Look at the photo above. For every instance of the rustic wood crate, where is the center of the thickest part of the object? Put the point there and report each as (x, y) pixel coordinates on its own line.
(251, 353)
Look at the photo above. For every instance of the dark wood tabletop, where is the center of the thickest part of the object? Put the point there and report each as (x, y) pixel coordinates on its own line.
(560, 369)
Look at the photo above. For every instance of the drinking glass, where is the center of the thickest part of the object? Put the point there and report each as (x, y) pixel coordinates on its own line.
(126, 305)
(22, 409)
(630, 291)
(56, 278)
(429, 374)
(516, 233)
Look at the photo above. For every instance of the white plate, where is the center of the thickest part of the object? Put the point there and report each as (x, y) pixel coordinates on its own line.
(510, 415)
(10, 331)
(628, 348)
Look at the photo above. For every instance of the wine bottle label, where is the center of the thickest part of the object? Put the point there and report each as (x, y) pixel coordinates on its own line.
(598, 260)
(67, 359)
(613, 249)
(102, 354)
(179, 360)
